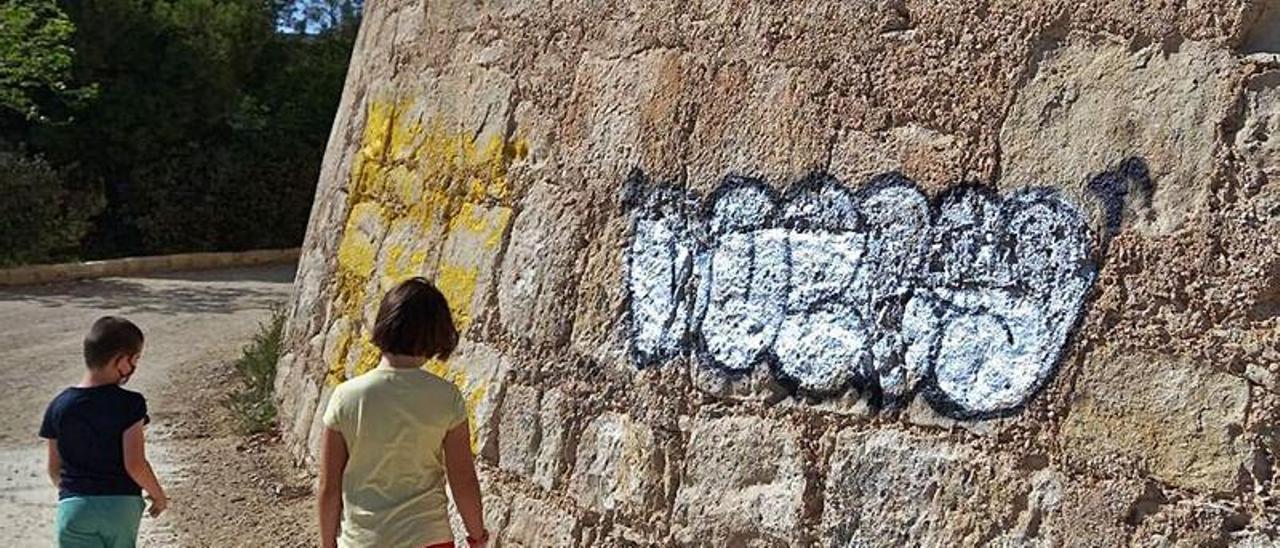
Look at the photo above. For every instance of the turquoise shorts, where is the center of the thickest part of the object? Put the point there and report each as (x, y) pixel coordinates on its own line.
(99, 521)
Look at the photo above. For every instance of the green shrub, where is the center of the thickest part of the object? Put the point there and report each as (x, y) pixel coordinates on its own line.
(253, 404)
(40, 221)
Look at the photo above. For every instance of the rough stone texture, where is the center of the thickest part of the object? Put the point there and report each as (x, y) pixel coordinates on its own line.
(534, 523)
(890, 489)
(598, 329)
(618, 468)
(535, 296)
(743, 484)
(519, 431)
(1061, 511)
(488, 145)
(1181, 423)
(488, 367)
(1258, 143)
(556, 443)
(1091, 103)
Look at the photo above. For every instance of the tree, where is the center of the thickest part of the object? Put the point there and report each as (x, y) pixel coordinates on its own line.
(35, 60)
(210, 125)
(39, 220)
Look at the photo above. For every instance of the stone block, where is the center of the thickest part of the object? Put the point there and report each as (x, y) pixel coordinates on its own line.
(555, 443)
(886, 488)
(336, 339)
(538, 523)
(468, 256)
(404, 252)
(308, 287)
(480, 370)
(1060, 510)
(536, 288)
(286, 398)
(1190, 522)
(599, 328)
(634, 111)
(618, 468)
(930, 158)
(743, 484)
(519, 432)
(484, 114)
(304, 420)
(1181, 422)
(1091, 103)
(759, 118)
(1258, 144)
(1257, 141)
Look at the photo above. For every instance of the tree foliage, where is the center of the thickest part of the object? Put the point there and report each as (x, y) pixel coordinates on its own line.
(39, 220)
(35, 59)
(209, 123)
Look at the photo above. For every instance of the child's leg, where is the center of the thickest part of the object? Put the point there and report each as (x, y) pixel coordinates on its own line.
(121, 516)
(77, 525)
(98, 522)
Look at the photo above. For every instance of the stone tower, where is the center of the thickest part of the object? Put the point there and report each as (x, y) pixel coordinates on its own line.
(870, 273)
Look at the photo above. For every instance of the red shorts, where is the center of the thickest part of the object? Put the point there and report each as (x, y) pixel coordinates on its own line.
(440, 545)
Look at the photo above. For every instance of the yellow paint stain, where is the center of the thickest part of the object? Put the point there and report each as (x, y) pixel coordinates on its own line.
(395, 252)
(425, 210)
(337, 371)
(485, 224)
(454, 156)
(401, 265)
(377, 128)
(368, 357)
(494, 236)
(412, 169)
(458, 284)
(471, 395)
(356, 259)
(403, 182)
(357, 250)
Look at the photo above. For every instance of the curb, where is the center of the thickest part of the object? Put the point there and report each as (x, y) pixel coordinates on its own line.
(50, 273)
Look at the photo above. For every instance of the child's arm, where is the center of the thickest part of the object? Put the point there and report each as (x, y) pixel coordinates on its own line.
(136, 464)
(333, 462)
(460, 467)
(54, 466)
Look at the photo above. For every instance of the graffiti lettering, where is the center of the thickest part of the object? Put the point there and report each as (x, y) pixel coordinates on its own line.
(968, 299)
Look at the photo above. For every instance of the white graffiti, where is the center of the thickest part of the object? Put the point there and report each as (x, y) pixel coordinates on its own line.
(969, 300)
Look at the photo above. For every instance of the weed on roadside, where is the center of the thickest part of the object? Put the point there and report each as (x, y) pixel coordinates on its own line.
(253, 403)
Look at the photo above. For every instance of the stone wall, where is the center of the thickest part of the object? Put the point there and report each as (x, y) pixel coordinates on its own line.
(869, 273)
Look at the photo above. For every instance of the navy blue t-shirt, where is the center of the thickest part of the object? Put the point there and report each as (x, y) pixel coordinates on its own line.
(89, 425)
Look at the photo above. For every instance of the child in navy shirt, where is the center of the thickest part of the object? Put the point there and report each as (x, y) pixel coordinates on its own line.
(96, 449)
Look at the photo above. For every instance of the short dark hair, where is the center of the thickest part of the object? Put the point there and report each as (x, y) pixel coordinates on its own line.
(414, 320)
(109, 337)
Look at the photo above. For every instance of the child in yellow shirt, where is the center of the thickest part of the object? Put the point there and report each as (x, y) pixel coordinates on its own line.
(396, 435)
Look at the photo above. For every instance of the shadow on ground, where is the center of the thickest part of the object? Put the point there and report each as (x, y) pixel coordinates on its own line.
(212, 292)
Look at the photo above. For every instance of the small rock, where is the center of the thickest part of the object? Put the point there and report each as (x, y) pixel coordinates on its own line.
(1261, 376)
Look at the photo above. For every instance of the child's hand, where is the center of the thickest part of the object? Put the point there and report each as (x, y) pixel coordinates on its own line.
(158, 506)
(481, 542)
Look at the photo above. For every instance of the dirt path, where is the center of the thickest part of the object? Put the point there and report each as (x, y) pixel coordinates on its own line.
(227, 490)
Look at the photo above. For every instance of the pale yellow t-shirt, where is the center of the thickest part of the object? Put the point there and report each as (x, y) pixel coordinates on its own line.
(393, 489)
